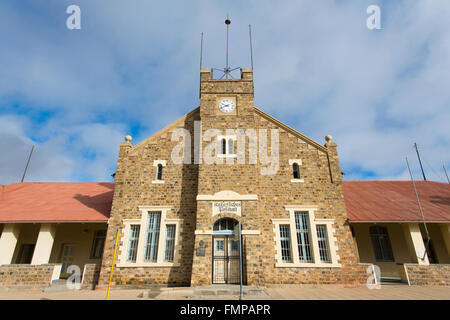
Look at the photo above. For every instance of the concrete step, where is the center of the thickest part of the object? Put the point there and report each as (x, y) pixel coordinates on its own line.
(229, 290)
(391, 280)
(58, 285)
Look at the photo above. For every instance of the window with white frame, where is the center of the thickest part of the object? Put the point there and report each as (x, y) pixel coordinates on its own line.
(226, 146)
(151, 248)
(133, 243)
(159, 168)
(295, 171)
(151, 240)
(303, 236)
(302, 240)
(295, 165)
(322, 240)
(170, 242)
(285, 242)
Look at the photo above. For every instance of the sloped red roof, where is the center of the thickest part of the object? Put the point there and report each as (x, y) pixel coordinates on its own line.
(396, 201)
(56, 202)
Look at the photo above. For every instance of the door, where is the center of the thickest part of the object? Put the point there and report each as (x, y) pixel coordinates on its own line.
(225, 260)
(66, 258)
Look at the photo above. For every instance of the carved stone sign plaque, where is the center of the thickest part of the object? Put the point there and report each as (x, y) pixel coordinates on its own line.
(226, 207)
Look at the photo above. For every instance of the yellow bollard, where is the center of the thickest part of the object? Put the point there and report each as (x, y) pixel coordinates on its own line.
(112, 266)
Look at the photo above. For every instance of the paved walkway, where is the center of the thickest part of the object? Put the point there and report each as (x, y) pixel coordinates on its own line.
(296, 292)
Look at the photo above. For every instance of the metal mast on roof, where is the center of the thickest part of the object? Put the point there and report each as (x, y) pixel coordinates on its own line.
(227, 70)
(251, 48)
(201, 60)
(201, 51)
(28, 162)
(443, 166)
(227, 22)
(421, 211)
(420, 162)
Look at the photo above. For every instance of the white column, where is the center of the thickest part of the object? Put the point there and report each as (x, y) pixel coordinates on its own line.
(415, 243)
(8, 242)
(44, 244)
(445, 230)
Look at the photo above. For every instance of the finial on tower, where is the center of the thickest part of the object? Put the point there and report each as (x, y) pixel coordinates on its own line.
(227, 70)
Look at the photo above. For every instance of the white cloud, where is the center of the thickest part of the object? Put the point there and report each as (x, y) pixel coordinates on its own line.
(135, 67)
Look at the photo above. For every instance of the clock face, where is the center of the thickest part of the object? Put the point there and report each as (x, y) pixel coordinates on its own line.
(226, 105)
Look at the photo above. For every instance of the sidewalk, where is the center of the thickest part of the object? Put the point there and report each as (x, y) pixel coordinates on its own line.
(292, 292)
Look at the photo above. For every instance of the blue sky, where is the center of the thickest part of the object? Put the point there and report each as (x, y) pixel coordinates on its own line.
(133, 68)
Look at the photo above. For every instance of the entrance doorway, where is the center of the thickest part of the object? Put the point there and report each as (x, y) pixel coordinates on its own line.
(66, 258)
(226, 258)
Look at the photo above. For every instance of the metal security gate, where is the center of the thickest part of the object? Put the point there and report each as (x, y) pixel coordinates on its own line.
(225, 268)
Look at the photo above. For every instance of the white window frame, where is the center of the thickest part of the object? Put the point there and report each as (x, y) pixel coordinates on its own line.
(143, 222)
(291, 164)
(155, 164)
(227, 154)
(313, 221)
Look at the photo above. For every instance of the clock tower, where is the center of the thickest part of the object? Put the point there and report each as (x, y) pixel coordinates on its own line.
(231, 98)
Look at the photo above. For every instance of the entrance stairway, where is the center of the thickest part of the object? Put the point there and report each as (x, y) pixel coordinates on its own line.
(385, 280)
(58, 285)
(222, 291)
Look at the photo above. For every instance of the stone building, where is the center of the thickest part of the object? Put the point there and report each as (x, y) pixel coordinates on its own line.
(180, 195)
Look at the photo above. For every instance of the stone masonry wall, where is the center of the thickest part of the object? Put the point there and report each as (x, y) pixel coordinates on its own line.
(432, 275)
(133, 188)
(322, 188)
(18, 275)
(91, 275)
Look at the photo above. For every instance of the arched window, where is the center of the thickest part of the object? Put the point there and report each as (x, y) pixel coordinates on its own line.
(296, 171)
(159, 172)
(225, 224)
(224, 146)
(230, 146)
(381, 244)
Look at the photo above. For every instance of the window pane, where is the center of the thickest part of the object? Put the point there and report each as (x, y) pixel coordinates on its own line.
(322, 239)
(303, 236)
(296, 171)
(230, 146)
(170, 243)
(285, 239)
(159, 173)
(224, 146)
(151, 248)
(220, 245)
(234, 245)
(133, 245)
(381, 244)
(98, 244)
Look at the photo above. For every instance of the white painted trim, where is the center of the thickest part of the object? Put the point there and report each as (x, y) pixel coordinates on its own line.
(227, 195)
(161, 162)
(244, 232)
(297, 161)
(57, 273)
(140, 262)
(251, 232)
(300, 208)
(313, 222)
(307, 265)
(297, 180)
(228, 155)
(158, 181)
(147, 264)
(197, 232)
